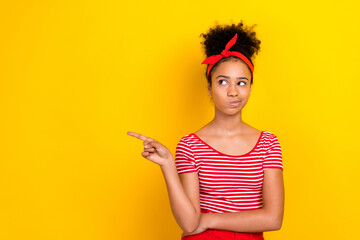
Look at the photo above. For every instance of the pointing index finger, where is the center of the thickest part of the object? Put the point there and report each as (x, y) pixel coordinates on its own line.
(139, 136)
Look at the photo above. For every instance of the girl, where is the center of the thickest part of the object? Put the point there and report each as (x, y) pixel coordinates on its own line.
(226, 181)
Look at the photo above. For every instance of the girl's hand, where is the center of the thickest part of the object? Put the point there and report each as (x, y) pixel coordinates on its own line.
(153, 150)
(202, 226)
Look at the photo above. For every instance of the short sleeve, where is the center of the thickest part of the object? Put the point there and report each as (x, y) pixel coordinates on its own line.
(184, 157)
(273, 156)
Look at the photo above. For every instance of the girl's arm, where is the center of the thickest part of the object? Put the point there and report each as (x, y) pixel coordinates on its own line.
(183, 190)
(184, 200)
(268, 218)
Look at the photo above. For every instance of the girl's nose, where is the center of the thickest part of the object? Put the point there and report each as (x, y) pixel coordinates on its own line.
(232, 90)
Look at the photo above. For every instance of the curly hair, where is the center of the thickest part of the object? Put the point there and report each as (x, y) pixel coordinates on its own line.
(218, 36)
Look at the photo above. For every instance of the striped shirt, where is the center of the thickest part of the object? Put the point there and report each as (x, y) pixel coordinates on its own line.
(228, 183)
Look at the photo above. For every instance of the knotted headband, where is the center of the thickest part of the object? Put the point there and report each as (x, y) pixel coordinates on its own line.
(226, 53)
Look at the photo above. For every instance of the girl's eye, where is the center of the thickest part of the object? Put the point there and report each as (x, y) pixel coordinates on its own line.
(220, 81)
(241, 83)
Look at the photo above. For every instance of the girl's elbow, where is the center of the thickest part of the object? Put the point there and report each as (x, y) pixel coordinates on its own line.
(275, 220)
(191, 226)
(275, 224)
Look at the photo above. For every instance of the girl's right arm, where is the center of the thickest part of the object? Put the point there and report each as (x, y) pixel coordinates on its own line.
(183, 190)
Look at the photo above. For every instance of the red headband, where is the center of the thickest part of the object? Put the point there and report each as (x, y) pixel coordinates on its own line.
(226, 53)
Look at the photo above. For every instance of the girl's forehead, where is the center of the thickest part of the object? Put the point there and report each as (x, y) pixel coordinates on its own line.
(232, 68)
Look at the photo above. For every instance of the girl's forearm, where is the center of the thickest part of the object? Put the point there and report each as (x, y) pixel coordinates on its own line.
(186, 215)
(259, 220)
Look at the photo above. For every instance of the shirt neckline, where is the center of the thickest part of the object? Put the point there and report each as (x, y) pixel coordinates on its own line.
(257, 143)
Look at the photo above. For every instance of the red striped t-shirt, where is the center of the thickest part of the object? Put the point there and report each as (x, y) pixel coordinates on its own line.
(228, 183)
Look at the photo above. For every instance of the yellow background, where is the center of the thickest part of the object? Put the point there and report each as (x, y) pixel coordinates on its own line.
(77, 75)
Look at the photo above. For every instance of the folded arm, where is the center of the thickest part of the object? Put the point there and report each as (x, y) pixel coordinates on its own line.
(183, 190)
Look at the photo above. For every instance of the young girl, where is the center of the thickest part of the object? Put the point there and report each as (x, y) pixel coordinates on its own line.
(226, 181)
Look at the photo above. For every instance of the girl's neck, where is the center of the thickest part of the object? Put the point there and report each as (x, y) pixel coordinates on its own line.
(227, 125)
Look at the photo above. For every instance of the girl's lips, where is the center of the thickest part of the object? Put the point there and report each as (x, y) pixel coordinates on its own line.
(234, 103)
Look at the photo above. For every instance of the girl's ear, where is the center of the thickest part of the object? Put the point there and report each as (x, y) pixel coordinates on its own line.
(209, 92)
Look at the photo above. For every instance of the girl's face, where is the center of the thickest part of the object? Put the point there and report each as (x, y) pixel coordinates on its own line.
(230, 86)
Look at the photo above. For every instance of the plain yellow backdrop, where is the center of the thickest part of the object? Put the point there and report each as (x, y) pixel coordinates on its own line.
(77, 75)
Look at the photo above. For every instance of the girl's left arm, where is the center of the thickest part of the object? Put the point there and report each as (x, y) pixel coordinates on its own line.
(268, 218)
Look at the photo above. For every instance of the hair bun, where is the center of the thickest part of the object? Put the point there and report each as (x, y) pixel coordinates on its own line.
(217, 37)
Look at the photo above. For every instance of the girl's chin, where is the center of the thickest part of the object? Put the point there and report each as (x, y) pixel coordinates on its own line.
(230, 111)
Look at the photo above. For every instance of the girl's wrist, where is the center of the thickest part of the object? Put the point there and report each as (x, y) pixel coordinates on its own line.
(207, 220)
(168, 164)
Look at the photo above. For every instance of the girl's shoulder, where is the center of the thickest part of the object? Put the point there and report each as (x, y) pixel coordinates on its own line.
(268, 134)
(269, 139)
(186, 138)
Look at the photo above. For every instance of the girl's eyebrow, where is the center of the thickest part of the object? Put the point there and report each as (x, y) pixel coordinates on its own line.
(229, 77)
